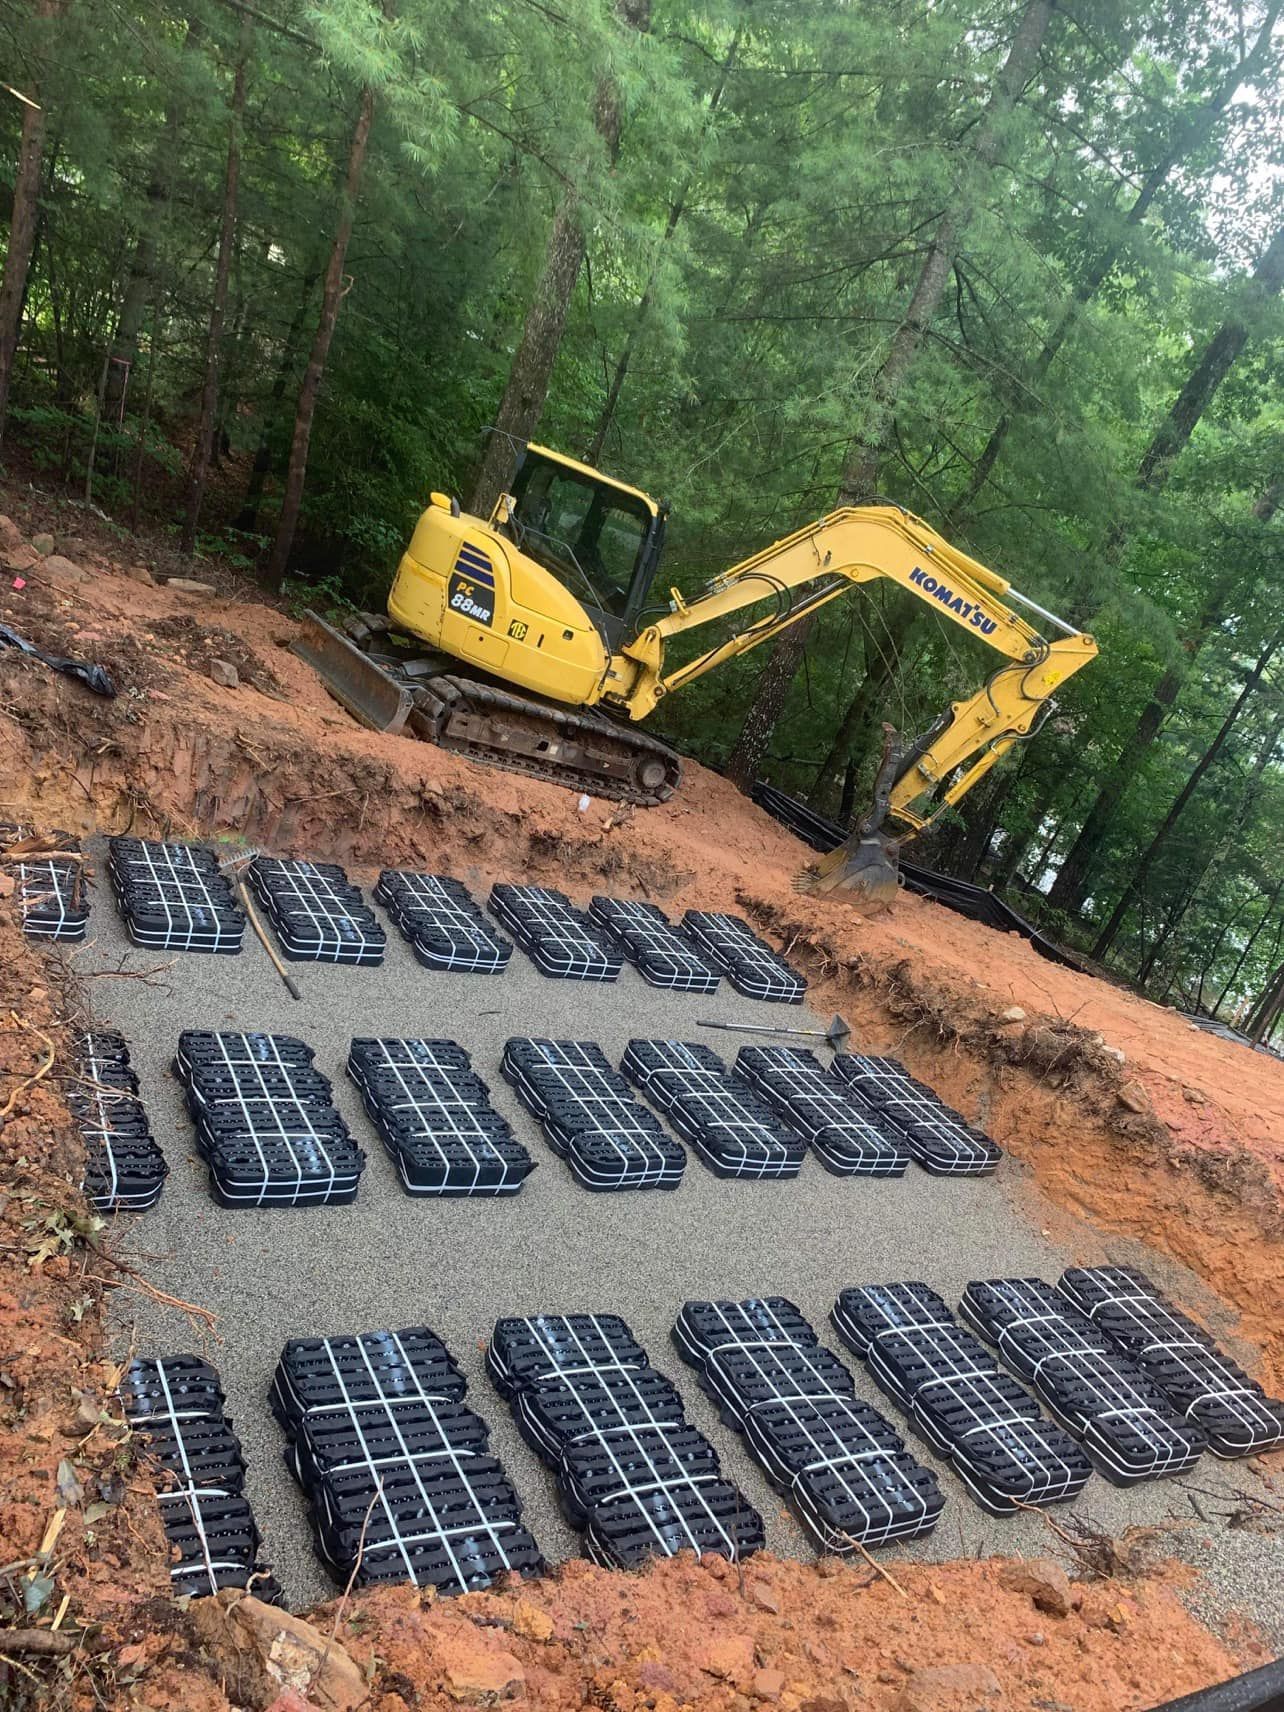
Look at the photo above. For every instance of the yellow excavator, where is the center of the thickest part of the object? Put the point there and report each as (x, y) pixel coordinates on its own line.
(528, 640)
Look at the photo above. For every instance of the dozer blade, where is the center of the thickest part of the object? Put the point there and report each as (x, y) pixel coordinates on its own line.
(371, 695)
(867, 862)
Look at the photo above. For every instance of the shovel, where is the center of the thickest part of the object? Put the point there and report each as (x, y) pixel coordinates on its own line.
(836, 1035)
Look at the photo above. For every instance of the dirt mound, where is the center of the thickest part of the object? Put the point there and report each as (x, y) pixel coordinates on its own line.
(197, 646)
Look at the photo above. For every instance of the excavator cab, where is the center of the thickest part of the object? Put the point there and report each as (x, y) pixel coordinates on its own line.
(602, 539)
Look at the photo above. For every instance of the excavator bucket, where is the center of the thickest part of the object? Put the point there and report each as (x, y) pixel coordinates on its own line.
(867, 862)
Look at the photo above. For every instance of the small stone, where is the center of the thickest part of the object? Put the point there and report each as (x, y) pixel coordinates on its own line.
(140, 574)
(476, 1675)
(1134, 1097)
(1194, 1096)
(43, 544)
(1014, 1013)
(190, 585)
(727, 1656)
(225, 673)
(1043, 1581)
(530, 1621)
(1115, 1052)
(1036, 1639)
(764, 1596)
(20, 559)
(767, 1684)
(10, 534)
(63, 573)
(949, 1688)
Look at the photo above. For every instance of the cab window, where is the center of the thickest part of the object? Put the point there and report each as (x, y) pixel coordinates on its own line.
(589, 536)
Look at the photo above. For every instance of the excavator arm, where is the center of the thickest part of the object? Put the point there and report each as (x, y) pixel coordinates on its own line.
(828, 559)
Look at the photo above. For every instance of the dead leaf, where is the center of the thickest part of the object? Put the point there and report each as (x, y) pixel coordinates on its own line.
(69, 1488)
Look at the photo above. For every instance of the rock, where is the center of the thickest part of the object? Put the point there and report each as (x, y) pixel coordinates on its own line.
(475, 1674)
(728, 1656)
(225, 673)
(190, 585)
(10, 535)
(63, 573)
(1194, 1096)
(767, 1684)
(764, 1597)
(530, 1621)
(140, 574)
(1036, 1638)
(1115, 1052)
(294, 1654)
(20, 559)
(43, 544)
(290, 1700)
(1014, 1013)
(949, 1688)
(1043, 1580)
(1134, 1097)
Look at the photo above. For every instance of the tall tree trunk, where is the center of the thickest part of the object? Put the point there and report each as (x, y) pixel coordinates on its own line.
(1208, 374)
(1230, 836)
(1266, 1013)
(140, 281)
(22, 222)
(1072, 879)
(858, 482)
(1106, 937)
(203, 444)
(248, 516)
(532, 367)
(884, 657)
(602, 427)
(1247, 948)
(531, 370)
(1192, 133)
(331, 296)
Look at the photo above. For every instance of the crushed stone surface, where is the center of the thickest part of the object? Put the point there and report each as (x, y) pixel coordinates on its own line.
(457, 1265)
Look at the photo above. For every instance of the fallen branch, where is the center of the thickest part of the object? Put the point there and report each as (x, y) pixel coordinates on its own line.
(878, 1568)
(37, 1641)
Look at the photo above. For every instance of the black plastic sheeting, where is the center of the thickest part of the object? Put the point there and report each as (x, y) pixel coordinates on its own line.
(1256, 1691)
(972, 901)
(94, 677)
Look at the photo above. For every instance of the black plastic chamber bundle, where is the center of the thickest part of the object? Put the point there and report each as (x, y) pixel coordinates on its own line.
(397, 1469)
(266, 1124)
(560, 940)
(434, 1117)
(632, 1473)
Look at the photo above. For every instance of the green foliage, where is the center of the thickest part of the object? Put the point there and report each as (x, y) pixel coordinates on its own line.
(752, 251)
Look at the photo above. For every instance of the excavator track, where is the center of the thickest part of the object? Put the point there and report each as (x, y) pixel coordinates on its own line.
(583, 750)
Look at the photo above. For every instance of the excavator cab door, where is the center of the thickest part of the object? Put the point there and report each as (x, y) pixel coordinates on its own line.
(601, 539)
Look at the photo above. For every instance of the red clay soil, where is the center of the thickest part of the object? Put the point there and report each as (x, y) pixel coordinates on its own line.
(86, 1621)
(1123, 1109)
